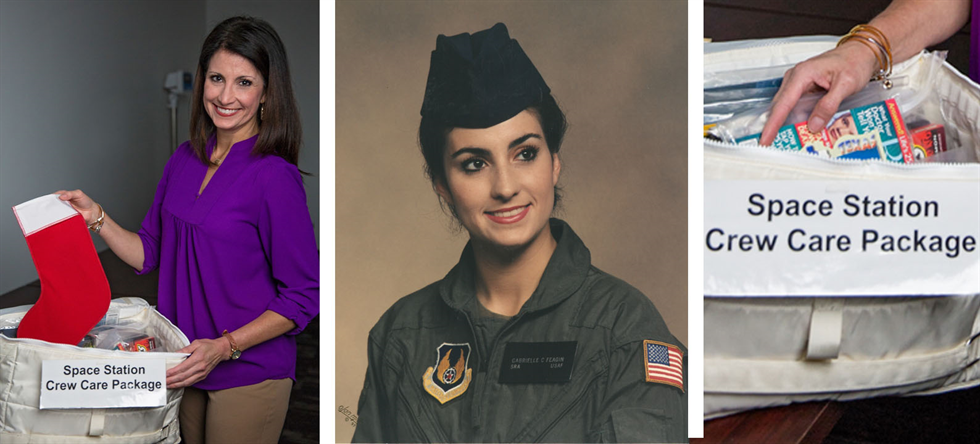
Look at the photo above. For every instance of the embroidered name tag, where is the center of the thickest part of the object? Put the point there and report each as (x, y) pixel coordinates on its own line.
(537, 362)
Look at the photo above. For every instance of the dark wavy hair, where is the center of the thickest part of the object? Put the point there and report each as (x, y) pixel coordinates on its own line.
(280, 131)
(433, 134)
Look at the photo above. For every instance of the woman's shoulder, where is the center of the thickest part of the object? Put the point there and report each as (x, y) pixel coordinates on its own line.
(274, 166)
(422, 309)
(612, 304)
(184, 152)
(274, 172)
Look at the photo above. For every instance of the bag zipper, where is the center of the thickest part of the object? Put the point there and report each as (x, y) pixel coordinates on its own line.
(839, 167)
(114, 354)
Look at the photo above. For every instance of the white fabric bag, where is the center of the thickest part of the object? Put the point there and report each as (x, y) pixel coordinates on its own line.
(21, 419)
(780, 334)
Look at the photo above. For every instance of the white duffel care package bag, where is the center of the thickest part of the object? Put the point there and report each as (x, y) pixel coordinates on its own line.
(42, 384)
(832, 279)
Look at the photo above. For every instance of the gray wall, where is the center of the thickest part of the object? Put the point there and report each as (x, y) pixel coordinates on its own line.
(82, 103)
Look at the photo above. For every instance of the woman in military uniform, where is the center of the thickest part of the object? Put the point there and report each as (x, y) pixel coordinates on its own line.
(523, 340)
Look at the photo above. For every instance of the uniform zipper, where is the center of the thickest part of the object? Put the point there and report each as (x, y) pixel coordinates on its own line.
(484, 364)
(419, 430)
(476, 411)
(568, 407)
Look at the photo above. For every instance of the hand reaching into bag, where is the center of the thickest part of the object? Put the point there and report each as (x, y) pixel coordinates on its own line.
(205, 355)
(841, 72)
(846, 69)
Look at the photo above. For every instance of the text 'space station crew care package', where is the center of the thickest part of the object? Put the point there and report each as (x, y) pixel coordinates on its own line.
(75, 367)
(841, 265)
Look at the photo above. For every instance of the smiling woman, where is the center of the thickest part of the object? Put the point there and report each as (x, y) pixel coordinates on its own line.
(230, 232)
(524, 340)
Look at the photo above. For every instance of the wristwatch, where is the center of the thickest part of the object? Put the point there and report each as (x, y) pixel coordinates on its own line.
(235, 352)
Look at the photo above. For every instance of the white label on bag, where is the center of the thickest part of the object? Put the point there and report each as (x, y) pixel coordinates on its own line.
(105, 383)
(841, 238)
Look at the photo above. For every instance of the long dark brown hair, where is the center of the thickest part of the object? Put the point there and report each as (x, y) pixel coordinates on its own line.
(280, 132)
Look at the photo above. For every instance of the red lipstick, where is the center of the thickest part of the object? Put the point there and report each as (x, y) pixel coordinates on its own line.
(508, 218)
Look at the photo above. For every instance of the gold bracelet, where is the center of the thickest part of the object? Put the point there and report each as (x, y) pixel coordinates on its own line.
(876, 41)
(235, 351)
(875, 32)
(97, 225)
(879, 39)
(863, 40)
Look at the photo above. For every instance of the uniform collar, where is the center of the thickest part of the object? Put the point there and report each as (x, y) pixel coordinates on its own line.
(565, 273)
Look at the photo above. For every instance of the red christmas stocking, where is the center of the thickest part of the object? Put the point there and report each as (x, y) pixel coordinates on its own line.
(74, 290)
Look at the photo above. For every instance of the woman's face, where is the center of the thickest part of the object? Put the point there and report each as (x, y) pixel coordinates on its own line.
(233, 92)
(501, 180)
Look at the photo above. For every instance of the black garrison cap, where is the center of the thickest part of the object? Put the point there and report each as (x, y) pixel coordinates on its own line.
(480, 80)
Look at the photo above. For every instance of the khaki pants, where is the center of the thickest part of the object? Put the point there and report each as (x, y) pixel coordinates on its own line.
(253, 413)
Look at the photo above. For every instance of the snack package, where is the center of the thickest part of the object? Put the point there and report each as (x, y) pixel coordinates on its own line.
(119, 338)
(874, 131)
(928, 141)
(142, 343)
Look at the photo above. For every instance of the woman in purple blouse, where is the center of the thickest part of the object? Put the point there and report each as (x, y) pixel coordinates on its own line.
(231, 234)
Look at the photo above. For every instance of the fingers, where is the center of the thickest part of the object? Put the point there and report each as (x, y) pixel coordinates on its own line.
(196, 367)
(179, 375)
(187, 373)
(794, 85)
(80, 202)
(77, 198)
(829, 103)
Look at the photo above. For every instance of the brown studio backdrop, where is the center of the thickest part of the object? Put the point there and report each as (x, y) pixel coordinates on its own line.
(619, 71)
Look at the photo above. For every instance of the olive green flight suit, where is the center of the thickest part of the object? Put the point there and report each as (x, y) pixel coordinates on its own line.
(607, 398)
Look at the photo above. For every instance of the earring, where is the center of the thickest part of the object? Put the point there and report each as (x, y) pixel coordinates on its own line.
(261, 109)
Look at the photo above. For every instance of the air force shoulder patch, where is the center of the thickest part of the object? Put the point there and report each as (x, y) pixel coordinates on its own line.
(451, 376)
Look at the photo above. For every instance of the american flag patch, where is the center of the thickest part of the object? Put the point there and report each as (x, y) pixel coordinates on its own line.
(665, 363)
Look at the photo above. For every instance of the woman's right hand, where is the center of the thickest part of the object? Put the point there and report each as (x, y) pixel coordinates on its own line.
(842, 72)
(81, 202)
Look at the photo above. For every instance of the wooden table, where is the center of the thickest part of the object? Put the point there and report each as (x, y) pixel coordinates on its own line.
(796, 423)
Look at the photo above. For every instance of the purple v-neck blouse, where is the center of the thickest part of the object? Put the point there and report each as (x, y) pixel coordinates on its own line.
(244, 246)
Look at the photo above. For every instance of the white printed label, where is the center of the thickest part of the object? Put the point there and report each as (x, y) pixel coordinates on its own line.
(103, 383)
(841, 238)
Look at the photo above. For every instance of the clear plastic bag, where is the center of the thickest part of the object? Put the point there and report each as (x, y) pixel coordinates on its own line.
(920, 108)
(9, 324)
(723, 102)
(123, 311)
(120, 338)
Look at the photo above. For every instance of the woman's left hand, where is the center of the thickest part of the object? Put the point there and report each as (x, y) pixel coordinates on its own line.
(205, 355)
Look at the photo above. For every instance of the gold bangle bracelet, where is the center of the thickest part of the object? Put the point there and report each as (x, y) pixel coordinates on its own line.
(875, 32)
(97, 225)
(876, 41)
(863, 40)
(878, 38)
